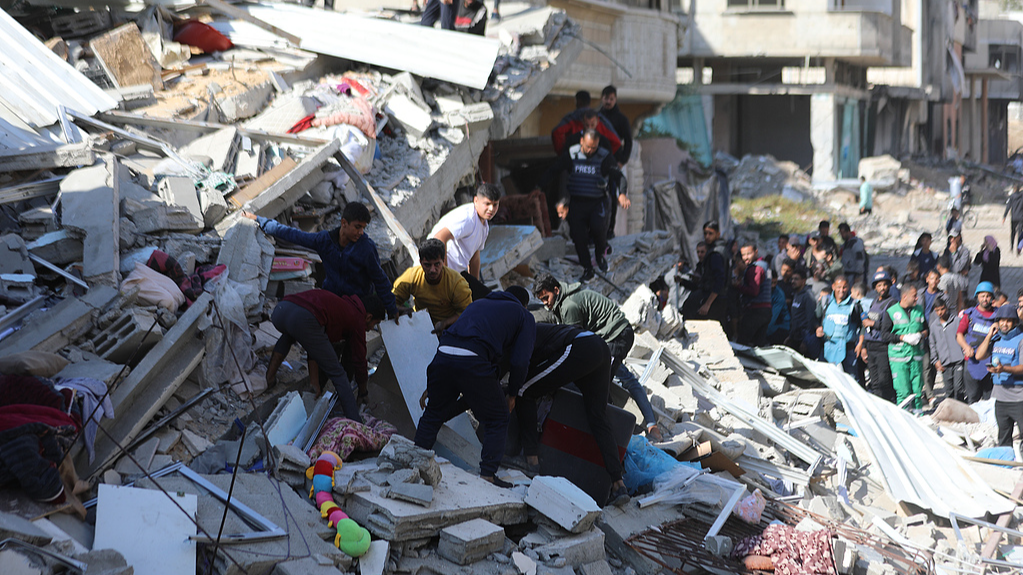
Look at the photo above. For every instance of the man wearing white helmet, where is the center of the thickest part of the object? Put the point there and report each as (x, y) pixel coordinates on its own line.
(974, 325)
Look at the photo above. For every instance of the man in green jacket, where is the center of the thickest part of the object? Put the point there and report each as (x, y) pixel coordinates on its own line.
(571, 304)
(904, 328)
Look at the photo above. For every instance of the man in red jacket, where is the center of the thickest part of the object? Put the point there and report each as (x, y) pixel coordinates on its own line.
(318, 318)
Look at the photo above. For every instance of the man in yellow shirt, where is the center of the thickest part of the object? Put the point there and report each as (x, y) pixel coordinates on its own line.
(436, 288)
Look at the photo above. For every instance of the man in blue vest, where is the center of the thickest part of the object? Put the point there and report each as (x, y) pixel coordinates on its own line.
(873, 349)
(840, 328)
(593, 175)
(974, 325)
(1003, 343)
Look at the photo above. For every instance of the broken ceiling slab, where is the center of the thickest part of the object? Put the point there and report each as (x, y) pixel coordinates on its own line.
(507, 247)
(463, 59)
(459, 497)
(37, 81)
(139, 397)
(43, 157)
(148, 528)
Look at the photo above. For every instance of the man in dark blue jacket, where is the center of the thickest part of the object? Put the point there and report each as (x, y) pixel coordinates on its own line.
(349, 257)
(490, 332)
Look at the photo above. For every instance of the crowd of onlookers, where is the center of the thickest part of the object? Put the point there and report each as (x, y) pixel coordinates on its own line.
(892, 332)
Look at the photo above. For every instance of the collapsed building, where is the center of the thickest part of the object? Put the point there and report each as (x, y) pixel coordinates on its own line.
(128, 145)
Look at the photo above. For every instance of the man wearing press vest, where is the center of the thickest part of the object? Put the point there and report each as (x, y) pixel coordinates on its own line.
(974, 325)
(1003, 343)
(593, 176)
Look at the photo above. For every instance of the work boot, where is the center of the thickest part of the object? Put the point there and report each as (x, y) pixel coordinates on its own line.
(602, 264)
(588, 274)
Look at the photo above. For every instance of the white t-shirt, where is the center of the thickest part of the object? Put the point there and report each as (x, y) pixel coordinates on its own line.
(469, 235)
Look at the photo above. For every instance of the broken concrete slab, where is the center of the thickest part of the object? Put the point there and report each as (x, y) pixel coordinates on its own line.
(14, 256)
(195, 443)
(305, 566)
(18, 527)
(562, 502)
(105, 371)
(507, 247)
(458, 497)
(62, 324)
(90, 203)
(596, 568)
(137, 399)
(248, 255)
(148, 528)
(401, 453)
(412, 492)
(408, 115)
(221, 147)
(274, 501)
(180, 191)
(471, 541)
(165, 218)
(375, 560)
(575, 550)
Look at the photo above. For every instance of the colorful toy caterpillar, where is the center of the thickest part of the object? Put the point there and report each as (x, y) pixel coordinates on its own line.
(351, 538)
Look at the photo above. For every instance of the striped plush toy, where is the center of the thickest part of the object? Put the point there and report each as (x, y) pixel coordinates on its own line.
(352, 538)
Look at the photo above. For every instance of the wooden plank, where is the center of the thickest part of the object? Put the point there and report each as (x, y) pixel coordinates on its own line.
(991, 545)
(225, 8)
(126, 57)
(263, 182)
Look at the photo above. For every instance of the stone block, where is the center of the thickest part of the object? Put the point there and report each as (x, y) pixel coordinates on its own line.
(16, 527)
(470, 541)
(596, 568)
(180, 191)
(523, 563)
(36, 223)
(213, 207)
(402, 453)
(169, 438)
(412, 493)
(89, 201)
(135, 330)
(194, 443)
(561, 501)
(576, 550)
(244, 104)
(59, 248)
(408, 115)
(166, 218)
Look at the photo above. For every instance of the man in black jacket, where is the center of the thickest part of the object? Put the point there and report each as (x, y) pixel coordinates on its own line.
(609, 109)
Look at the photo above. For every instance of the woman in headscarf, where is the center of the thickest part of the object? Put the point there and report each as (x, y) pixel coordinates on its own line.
(989, 258)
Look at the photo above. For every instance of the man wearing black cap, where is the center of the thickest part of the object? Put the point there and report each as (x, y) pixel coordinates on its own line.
(875, 350)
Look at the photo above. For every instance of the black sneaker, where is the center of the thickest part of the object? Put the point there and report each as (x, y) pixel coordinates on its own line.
(501, 483)
(620, 497)
(602, 264)
(588, 274)
(610, 250)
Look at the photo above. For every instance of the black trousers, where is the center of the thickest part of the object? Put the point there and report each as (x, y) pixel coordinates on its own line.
(954, 378)
(587, 363)
(753, 326)
(880, 370)
(976, 389)
(298, 324)
(1008, 413)
(1015, 231)
(587, 220)
(478, 288)
(475, 379)
(437, 10)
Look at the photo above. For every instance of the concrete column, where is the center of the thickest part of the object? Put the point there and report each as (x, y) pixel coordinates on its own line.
(823, 136)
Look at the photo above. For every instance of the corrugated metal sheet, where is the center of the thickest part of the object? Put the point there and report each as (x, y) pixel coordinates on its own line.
(36, 81)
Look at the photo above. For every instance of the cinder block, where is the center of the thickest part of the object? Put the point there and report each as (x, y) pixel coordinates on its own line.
(575, 550)
(18, 287)
(131, 331)
(470, 541)
(562, 502)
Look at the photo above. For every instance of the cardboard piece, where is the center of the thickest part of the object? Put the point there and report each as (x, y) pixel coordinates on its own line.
(710, 459)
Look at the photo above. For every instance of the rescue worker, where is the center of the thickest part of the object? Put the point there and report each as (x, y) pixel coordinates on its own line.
(904, 328)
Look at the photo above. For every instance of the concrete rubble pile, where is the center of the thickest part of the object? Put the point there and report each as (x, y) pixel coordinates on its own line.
(758, 176)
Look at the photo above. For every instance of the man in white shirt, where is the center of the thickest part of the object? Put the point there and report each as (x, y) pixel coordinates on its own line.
(464, 231)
